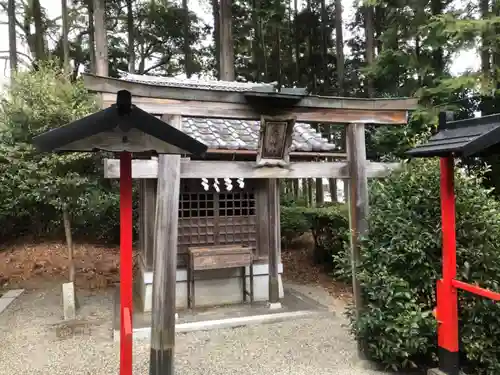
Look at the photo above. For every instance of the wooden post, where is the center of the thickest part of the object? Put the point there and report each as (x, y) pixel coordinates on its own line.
(147, 210)
(358, 206)
(262, 207)
(274, 242)
(165, 263)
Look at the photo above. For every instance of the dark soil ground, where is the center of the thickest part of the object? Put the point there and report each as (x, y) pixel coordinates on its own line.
(34, 265)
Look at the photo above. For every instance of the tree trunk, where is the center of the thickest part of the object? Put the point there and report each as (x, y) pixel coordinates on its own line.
(290, 48)
(310, 51)
(438, 53)
(101, 42)
(187, 48)
(11, 15)
(485, 48)
(496, 52)
(131, 41)
(256, 43)
(69, 243)
(310, 192)
(324, 49)
(339, 47)
(332, 185)
(226, 45)
(91, 31)
(217, 37)
(295, 187)
(297, 44)
(370, 46)
(65, 37)
(320, 196)
(39, 31)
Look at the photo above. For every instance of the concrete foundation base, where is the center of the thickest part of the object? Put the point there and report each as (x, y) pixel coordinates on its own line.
(294, 306)
(212, 287)
(274, 306)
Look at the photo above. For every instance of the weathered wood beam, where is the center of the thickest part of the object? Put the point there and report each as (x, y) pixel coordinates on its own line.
(165, 264)
(113, 85)
(358, 207)
(273, 201)
(147, 209)
(247, 169)
(235, 110)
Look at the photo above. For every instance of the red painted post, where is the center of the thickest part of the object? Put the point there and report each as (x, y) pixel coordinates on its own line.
(447, 301)
(125, 263)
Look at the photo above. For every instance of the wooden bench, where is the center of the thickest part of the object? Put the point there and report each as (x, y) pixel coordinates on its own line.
(219, 257)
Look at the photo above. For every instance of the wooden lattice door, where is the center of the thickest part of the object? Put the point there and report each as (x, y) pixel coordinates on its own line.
(209, 218)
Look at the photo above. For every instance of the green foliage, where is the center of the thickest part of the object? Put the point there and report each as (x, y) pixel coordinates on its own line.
(34, 186)
(401, 261)
(293, 223)
(329, 227)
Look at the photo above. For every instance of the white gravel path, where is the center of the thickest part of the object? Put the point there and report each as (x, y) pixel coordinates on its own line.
(33, 343)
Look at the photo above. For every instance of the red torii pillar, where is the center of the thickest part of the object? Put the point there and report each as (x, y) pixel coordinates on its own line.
(126, 266)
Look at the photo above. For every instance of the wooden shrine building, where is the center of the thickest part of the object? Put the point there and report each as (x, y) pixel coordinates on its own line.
(228, 217)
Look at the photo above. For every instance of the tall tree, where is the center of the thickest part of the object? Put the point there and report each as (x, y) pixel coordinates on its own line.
(216, 37)
(11, 14)
(101, 41)
(370, 46)
(227, 72)
(91, 33)
(130, 34)
(187, 47)
(39, 36)
(65, 37)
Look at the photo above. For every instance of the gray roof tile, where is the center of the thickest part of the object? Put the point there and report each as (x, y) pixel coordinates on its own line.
(244, 135)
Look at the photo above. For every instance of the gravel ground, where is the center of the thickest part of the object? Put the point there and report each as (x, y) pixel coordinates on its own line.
(34, 341)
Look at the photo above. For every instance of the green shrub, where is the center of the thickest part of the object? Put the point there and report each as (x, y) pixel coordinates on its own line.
(293, 223)
(330, 227)
(401, 261)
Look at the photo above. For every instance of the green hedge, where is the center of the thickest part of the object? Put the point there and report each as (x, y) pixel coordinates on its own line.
(401, 261)
(328, 225)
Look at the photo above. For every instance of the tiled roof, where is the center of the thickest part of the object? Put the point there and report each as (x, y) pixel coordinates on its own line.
(204, 84)
(228, 134)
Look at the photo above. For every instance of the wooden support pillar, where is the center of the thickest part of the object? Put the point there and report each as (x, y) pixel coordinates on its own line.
(274, 242)
(358, 206)
(165, 263)
(147, 208)
(261, 205)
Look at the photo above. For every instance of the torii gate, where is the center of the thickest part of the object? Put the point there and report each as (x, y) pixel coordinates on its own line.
(471, 137)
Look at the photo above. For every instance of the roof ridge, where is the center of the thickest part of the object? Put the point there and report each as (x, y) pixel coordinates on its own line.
(203, 83)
